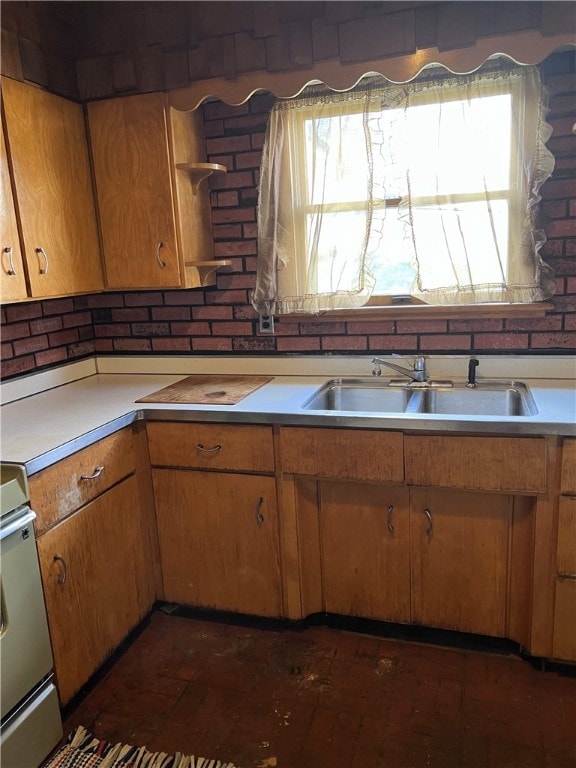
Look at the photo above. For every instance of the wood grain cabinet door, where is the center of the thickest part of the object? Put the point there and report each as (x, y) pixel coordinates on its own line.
(218, 536)
(12, 278)
(564, 642)
(130, 150)
(365, 550)
(94, 567)
(459, 555)
(47, 142)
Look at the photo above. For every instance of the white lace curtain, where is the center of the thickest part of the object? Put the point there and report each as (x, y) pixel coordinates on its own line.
(441, 176)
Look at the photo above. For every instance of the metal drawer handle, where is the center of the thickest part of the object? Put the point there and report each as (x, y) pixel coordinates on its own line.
(42, 252)
(389, 523)
(97, 472)
(259, 515)
(215, 449)
(430, 528)
(571, 576)
(11, 269)
(64, 569)
(159, 247)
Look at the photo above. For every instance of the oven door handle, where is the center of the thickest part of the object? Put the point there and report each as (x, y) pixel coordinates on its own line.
(15, 525)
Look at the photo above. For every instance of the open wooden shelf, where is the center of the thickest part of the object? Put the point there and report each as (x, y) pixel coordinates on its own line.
(205, 269)
(200, 171)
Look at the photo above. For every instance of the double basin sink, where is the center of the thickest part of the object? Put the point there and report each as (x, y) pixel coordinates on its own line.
(372, 395)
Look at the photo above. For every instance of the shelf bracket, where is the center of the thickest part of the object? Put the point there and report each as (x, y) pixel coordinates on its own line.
(206, 269)
(197, 172)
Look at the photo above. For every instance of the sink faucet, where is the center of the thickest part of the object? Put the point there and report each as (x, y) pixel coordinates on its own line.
(418, 373)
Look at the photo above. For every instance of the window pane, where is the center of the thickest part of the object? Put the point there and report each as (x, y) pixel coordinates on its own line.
(459, 146)
(336, 159)
(339, 239)
(467, 243)
(390, 260)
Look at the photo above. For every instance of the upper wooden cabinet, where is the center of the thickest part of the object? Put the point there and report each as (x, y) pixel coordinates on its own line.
(47, 145)
(154, 211)
(13, 280)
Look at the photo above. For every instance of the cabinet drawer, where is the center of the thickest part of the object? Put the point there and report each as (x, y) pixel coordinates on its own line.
(211, 446)
(567, 536)
(568, 482)
(484, 463)
(57, 491)
(356, 454)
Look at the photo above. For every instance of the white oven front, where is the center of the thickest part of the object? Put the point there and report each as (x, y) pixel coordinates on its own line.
(30, 717)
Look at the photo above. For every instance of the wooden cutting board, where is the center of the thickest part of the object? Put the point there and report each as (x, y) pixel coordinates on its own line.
(208, 390)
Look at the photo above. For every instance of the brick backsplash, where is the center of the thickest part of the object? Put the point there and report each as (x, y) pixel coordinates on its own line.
(41, 334)
(220, 319)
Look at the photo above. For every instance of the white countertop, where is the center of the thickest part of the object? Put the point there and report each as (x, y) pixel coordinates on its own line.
(88, 400)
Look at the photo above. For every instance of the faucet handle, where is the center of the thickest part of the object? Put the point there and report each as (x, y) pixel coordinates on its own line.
(420, 363)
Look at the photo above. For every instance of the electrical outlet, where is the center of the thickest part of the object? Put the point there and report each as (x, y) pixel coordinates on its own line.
(266, 323)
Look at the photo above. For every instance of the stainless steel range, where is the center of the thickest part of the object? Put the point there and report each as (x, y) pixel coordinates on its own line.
(30, 724)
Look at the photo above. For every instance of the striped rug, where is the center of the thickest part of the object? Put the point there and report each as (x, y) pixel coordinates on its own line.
(83, 750)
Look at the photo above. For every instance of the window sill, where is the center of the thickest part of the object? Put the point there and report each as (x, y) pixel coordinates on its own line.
(427, 312)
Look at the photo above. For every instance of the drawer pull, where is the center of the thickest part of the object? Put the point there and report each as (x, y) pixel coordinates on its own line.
(97, 472)
(259, 515)
(571, 576)
(11, 268)
(215, 449)
(430, 528)
(63, 575)
(41, 252)
(389, 523)
(159, 247)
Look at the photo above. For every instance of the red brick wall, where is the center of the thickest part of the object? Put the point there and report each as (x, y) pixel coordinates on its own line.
(221, 320)
(40, 334)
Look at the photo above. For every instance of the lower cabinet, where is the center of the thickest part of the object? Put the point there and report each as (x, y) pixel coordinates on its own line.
(564, 636)
(218, 535)
(365, 550)
(431, 557)
(95, 569)
(459, 559)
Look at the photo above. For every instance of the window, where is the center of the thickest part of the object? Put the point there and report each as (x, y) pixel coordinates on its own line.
(427, 189)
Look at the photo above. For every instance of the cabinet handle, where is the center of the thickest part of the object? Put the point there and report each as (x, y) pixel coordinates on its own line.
(159, 247)
(97, 472)
(259, 515)
(571, 576)
(389, 523)
(11, 268)
(215, 449)
(64, 569)
(430, 527)
(42, 252)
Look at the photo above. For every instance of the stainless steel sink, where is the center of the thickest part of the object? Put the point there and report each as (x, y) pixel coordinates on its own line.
(367, 395)
(488, 398)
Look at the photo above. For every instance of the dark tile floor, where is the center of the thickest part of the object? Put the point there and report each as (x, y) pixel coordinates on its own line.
(327, 698)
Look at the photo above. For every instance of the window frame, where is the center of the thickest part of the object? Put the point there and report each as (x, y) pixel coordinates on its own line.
(303, 207)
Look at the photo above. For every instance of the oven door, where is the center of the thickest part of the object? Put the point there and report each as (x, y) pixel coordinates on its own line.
(25, 652)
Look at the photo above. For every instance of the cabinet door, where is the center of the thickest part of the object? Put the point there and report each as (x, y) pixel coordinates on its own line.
(47, 144)
(219, 540)
(93, 569)
(459, 547)
(134, 188)
(564, 643)
(364, 538)
(12, 267)
(568, 480)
